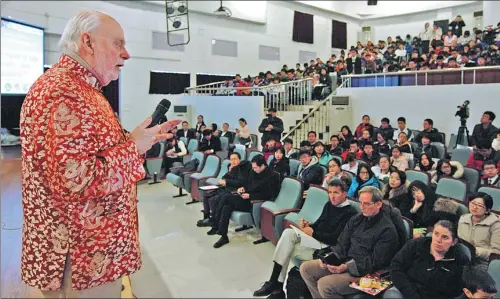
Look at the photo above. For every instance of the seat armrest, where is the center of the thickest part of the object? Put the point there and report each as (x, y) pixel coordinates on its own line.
(204, 178)
(284, 211)
(256, 201)
(189, 172)
(494, 256)
(176, 167)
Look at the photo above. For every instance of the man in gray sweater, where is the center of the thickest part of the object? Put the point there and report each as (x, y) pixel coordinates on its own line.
(367, 244)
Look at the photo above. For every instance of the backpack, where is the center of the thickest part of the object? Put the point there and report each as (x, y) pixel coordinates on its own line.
(296, 288)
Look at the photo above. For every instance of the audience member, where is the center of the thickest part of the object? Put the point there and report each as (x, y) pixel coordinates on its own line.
(485, 131)
(381, 146)
(370, 156)
(323, 156)
(186, 132)
(482, 152)
(199, 124)
(365, 137)
(491, 177)
(386, 128)
(244, 134)
(290, 151)
(335, 173)
(403, 143)
(353, 149)
(352, 164)
(396, 191)
(367, 244)
(210, 144)
(174, 151)
(334, 148)
(280, 164)
(383, 169)
(312, 137)
(345, 137)
(365, 124)
(364, 177)
(269, 147)
(429, 131)
(398, 160)
(481, 228)
(427, 148)
(226, 133)
(425, 265)
(199, 135)
(402, 128)
(235, 178)
(327, 229)
(478, 284)
(272, 126)
(309, 169)
(447, 168)
(262, 184)
(419, 205)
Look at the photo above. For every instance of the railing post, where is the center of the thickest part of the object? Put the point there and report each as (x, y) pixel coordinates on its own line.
(461, 76)
(474, 82)
(416, 80)
(425, 78)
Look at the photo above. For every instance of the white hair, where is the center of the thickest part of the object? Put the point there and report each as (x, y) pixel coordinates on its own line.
(84, 21)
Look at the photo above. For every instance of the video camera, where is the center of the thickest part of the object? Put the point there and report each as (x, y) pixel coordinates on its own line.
(463, 112)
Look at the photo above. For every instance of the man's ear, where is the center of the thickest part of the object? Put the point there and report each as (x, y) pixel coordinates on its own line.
(87, 44)
(467, 293)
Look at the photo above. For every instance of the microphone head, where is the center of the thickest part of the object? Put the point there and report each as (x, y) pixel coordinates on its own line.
(165, 103)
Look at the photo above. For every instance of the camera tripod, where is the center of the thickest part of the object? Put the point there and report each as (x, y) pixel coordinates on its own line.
(463, 134)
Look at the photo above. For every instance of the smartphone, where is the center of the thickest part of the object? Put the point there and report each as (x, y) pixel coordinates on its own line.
(331, 259)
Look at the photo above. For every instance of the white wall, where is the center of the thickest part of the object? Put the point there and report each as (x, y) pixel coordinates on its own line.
(417, 103)
(414, 23)
(139, 19)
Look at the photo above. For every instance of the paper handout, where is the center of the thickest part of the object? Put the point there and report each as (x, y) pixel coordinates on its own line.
(209, 187)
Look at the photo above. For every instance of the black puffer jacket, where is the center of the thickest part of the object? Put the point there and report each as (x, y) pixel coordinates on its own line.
(236, 177)
(262, 186)
(416, 274)
(331, 223)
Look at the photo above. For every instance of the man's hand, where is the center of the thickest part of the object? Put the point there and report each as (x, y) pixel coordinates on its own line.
(222, 182)
(321, 264)
(145, 137)
(303, 224)
(207, 152)
(308, 230)
(337, 269)
(245, 196)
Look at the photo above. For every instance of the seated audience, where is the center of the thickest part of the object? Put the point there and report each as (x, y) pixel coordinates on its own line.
(244, 134)
(478, 284)
(491, 177)
(481, 228)
(386, 128)
(326, 229)
(427, 148)
(425, 163)
(213, 127)
(335, 173)
(200, 124)
(447, 168)
(290, 151)
(345, 137)
(364, 177)
(210, 144)
(381, 145)
(262, 184)
(354, 149)
(482, 152)
(419, 205)
(429, 131)
(280, 163)
(396, 191)
(383, 169)
(351, 165)
(398, 160)
(403, 144)
(484, 132)
(365, 137)
(364, 125)
(225, 133)
(323, 156)
(186, 131)
(269, 148)
(402, 128)
(310, 171)
(334, 148)
(235, 178)
(496, 142)
(311, 139)
(370, 156)
(429, 267)
(199, 135)
(367, 244)
(174, 151)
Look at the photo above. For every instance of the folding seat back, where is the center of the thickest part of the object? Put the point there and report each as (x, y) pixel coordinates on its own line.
(417, 175)
(452, 188)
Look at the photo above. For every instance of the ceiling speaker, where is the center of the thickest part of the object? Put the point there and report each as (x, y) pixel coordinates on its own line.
(372, 2)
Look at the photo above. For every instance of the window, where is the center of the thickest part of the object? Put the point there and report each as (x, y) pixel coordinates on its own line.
(161, 40)
(269, 53)
(303, 28)
(224, 48)
(168, 82)
(305, 56)
(339, 35)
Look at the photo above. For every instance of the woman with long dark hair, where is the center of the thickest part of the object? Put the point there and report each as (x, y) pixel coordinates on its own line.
(280, 163)
(199, 123)
(447, 168)
(345, 137)
(396, 191)
(364, 177)
(419, 205)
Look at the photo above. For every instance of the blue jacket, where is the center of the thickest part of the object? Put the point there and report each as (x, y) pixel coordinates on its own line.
(353, 190)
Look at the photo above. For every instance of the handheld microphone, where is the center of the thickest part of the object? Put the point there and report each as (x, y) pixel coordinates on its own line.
(160, 112)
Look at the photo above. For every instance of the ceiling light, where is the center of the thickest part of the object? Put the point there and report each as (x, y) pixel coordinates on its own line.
(177, 23)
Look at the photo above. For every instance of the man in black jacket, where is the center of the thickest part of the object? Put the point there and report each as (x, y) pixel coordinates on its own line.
(367, 244)
(353, 62)
(226, 133)
(326, 229)
(185, 131)
(235, 178)
(484, 132)
(272, 126)
(210, 144)
(262, 184)
(430, 132)
(309, 171)
(370, 156)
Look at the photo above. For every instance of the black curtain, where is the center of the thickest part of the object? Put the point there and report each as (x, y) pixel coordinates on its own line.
(168, 83)
(112, 93)
(339, 35)
(207, 79)
(303, 28)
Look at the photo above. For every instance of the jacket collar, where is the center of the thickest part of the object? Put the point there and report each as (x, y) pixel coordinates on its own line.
(79, 66)
(488, 221)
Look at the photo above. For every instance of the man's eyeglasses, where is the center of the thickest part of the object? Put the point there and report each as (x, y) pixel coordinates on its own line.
(366, 204)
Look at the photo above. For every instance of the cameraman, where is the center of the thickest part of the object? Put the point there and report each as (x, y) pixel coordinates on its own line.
(272, 126)
(485, 131)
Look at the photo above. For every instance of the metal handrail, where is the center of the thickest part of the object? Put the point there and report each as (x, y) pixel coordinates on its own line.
(204, 86)
(311, 113)
(422, 72)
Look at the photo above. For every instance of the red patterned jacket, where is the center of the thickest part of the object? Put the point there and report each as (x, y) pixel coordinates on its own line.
(79, 175)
